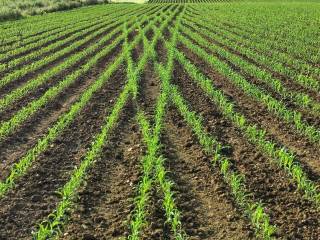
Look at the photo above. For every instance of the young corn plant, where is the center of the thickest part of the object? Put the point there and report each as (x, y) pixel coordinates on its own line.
(23, 165)
(71, 61)
(273, 105)
(299, 71)
(284, 158)
(159, 172)
(81, 30)
(298, 98)
(55, 221)
(259, 219)
(52, 226)
(151, 160)
(29, 110)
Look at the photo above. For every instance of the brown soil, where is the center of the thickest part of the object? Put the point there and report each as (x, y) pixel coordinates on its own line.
(149, 90)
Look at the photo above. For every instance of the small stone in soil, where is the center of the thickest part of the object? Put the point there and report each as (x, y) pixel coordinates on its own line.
(88, 237)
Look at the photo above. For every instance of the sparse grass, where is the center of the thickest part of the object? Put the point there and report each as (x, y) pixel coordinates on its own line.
(13, 9)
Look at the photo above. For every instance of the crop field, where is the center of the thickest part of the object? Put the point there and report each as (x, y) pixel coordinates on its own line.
(162, 121)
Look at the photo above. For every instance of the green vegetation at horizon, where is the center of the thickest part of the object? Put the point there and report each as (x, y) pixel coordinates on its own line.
(13, 9)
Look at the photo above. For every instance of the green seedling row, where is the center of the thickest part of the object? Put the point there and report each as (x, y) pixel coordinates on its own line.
(281, 156)
(73, 60)
(298, 98)
(53, 224)
(273, 105)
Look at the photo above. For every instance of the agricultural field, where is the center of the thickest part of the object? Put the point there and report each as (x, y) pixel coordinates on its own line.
(162, 121)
